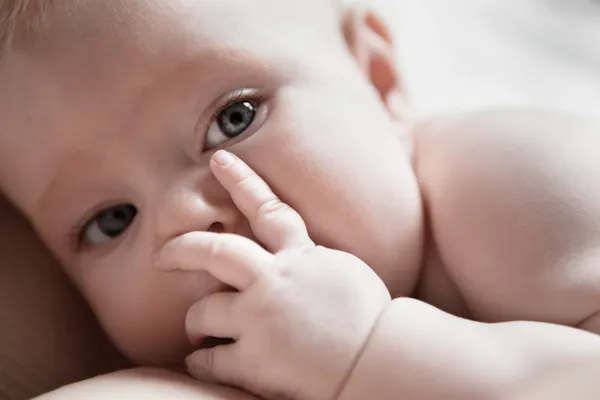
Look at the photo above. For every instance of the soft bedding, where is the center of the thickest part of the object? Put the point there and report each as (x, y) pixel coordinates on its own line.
(464, 54)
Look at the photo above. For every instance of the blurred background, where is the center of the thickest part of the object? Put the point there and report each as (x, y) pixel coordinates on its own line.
(463, 54)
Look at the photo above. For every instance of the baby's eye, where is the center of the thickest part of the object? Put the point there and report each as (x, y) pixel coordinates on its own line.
(231, 122)
(108, 225)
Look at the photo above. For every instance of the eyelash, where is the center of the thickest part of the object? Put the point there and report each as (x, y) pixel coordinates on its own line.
(232, 98)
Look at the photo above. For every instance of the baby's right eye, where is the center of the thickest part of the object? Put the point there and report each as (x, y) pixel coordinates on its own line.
(108, 224)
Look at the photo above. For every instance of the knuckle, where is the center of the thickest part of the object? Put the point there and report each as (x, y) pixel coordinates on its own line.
(273, 208)
(201, 364)
(209, 360)
(215, 246)
(250, 182)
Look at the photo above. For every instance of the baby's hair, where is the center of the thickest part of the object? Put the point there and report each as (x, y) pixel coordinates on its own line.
(20, 21)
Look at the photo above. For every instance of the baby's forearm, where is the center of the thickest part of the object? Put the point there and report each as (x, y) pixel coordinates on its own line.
(419, 352)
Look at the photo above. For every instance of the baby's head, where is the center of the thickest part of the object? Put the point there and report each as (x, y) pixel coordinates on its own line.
(110, 111)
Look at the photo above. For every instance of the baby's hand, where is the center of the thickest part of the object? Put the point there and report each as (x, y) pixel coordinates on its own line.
(302, 312)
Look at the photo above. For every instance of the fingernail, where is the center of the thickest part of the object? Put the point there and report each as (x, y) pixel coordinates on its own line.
(223, 158)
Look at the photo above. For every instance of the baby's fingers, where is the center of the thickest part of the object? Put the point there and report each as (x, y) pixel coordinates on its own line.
(234, 260)
(214, 315)
(274, 223)
(216, 364)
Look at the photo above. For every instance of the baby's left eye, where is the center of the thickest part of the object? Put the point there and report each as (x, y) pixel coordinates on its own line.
(231, 122)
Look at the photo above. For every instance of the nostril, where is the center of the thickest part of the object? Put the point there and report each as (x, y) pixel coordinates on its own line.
(216, 227)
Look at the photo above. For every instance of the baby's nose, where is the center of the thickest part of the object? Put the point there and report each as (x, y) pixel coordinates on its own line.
(199, 205)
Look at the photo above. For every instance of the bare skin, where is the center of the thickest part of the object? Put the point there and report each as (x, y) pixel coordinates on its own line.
(137, 133)
(119, 167)
(580, 382)
(144, 384)
(534, 389)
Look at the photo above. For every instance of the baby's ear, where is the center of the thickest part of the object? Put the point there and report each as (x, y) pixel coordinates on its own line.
(371, 43)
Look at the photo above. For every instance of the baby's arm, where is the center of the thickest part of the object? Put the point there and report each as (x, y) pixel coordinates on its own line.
(419, 352)
(514, 196)
(144, 384)
(515, 200)
(579, 383)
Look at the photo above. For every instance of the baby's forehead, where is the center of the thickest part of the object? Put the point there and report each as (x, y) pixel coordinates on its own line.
(239, 24)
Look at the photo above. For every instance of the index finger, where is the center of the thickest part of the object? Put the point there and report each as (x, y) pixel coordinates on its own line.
(274, 223)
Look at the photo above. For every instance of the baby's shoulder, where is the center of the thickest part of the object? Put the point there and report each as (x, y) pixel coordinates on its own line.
(514, 203)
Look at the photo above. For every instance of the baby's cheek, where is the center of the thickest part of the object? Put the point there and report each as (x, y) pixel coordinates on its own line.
(147, 330)
(345, 172)
(142, 312)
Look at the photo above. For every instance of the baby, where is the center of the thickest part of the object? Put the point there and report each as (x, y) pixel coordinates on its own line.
(383, 267)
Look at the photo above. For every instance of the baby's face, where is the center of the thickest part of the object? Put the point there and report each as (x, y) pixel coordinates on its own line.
(109, 122)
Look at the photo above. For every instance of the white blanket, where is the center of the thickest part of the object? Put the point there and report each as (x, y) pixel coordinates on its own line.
(464, 54)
